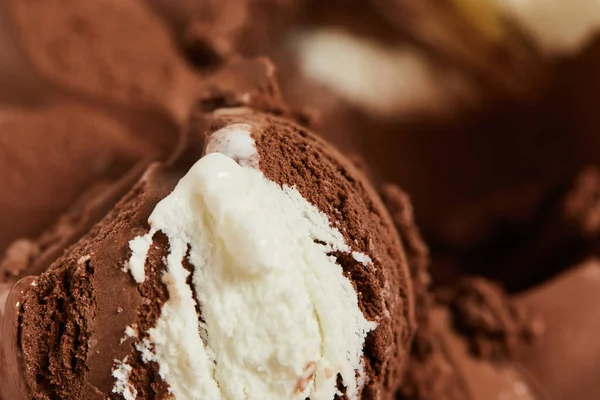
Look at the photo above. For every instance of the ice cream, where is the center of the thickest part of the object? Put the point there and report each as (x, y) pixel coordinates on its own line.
(270, 270)
(212, 31)
(110, 54)
(475, 378)
(468, 347)
(476, 114)
(540, 344)
(49, 156)
(170, 227)
(32, 256)
(564, 233)
(564, 358)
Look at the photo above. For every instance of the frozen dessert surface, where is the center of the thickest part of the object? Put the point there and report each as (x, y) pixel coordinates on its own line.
(79, 310)
(563, 359)
(49, 157)
(482, 379)
(117, 52)
(494, 326)
(271, 268)
(468, 344)
(280, 320)
(444, 367)
(32, 256)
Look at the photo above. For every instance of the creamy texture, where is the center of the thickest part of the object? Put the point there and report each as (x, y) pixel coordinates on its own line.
(235, 142)
(121, 373)
(279, 318)
(139, 245)
(384, 80)
(560, 26)
(362, 258)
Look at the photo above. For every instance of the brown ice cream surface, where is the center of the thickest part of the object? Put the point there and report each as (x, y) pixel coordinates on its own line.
(545, 341)
(482, 379)
(243, 83)
(105, 86)
(494, 326)
(564, 358)
(108, 52)
(48, 157)
(467, 348)
(79, 308)
(401, 210)
(482, 176)
(563, 231)
(28, 256)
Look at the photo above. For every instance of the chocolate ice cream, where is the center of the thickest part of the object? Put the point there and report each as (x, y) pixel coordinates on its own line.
(564, 359)
(564, 232)
(171, 228)
(476, 378)
(468, 347)
(212, 31)
(541, 344)
(110, 53)
(272, 222)
(29, 256)
(49, 156)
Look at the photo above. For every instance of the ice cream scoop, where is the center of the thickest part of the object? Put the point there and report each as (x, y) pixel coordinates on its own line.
(211, 32)
(267, 269)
